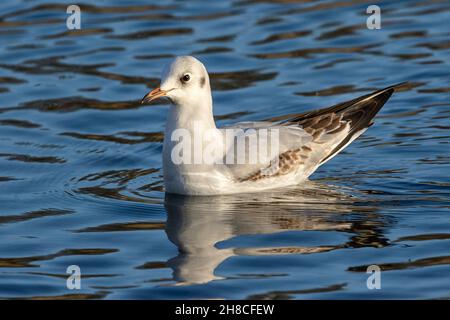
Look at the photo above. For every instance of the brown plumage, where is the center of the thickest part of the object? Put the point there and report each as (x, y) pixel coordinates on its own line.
(323, 125)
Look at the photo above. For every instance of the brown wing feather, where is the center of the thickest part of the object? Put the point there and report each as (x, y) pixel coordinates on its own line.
(354, 115)
(358, 113)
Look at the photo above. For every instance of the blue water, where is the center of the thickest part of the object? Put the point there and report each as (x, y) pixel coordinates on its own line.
(80, 158)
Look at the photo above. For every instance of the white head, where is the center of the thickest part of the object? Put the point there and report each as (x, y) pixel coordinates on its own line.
(185, 82)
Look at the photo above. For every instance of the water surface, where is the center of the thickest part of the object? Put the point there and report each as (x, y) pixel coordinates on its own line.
(80, 158)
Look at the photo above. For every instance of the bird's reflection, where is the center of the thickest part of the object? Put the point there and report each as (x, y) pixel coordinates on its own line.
(197, 224)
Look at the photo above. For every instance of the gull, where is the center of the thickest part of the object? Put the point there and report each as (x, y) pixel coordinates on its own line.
(303, 141)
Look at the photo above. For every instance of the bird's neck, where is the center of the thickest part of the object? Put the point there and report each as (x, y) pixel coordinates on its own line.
(190, 117)
(189, 129)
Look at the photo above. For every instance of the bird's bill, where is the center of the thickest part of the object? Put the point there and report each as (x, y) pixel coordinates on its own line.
(154, 94)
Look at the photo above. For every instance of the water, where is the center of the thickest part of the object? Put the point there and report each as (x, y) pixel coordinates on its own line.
(80, 158)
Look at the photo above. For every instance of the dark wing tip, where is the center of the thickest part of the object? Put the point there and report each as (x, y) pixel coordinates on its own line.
(381, 96)
(397, 86)
(361, 111)
(358, 113)
(383, 93)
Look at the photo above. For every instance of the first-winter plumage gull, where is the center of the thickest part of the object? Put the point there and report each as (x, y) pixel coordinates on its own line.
(201, 159)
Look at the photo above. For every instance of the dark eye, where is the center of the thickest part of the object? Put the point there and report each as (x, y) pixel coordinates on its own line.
(185, 78)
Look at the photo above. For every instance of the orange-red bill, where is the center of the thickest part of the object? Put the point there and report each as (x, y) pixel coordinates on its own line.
(154, 94)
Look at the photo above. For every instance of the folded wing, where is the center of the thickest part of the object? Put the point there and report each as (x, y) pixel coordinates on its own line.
(331, 130)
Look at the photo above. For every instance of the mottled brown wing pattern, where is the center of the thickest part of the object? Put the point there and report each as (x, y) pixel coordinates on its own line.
(287, 161)
(324, 126)
(329, 123)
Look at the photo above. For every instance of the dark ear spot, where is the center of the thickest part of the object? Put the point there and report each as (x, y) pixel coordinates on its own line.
(202, 82)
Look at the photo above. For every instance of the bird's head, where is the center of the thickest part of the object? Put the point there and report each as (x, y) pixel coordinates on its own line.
(185, 82)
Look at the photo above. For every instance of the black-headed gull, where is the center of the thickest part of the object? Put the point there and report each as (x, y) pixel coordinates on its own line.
(201, 159)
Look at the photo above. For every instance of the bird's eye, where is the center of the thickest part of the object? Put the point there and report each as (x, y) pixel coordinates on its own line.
(185, 78)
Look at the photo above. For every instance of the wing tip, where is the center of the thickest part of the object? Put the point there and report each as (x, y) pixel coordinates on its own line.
(387, 92)
(375, 101)
(397, 86)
